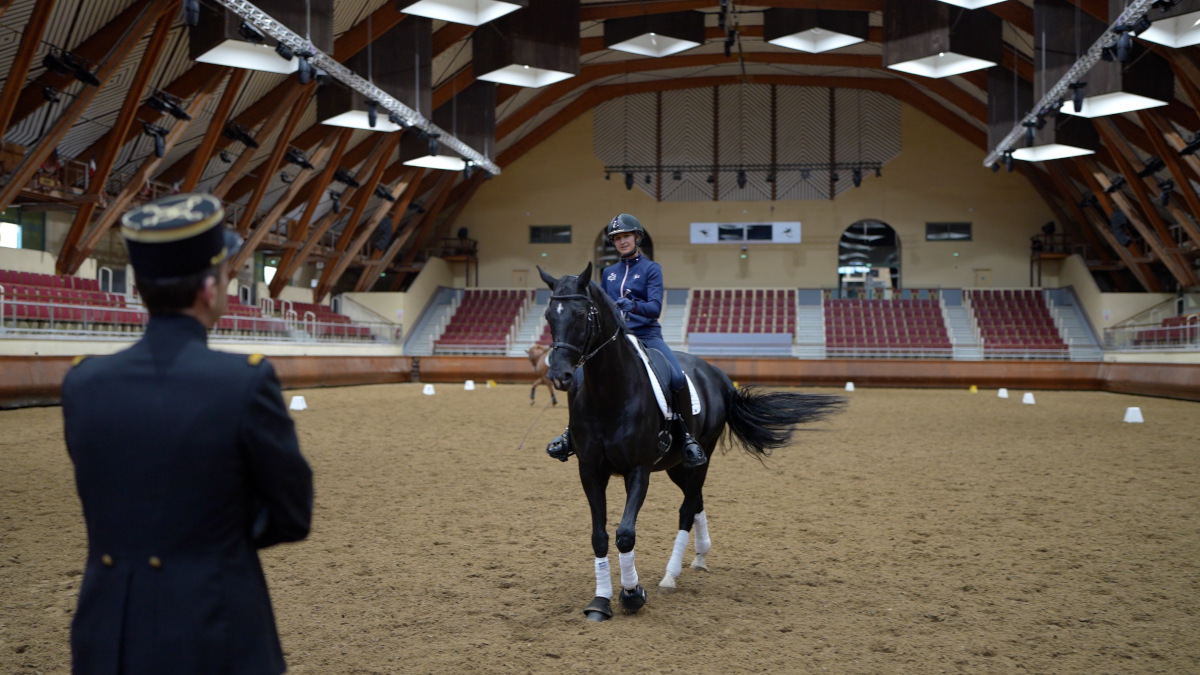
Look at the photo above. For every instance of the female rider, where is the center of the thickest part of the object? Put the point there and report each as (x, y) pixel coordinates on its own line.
(635, 285)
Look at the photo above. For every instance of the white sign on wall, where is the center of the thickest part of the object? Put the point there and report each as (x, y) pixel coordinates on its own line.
(787, 232)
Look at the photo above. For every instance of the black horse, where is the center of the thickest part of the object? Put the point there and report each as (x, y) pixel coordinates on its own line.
(615, 426)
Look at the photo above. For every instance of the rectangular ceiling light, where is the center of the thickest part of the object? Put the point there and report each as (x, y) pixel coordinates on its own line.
(655, 35)
(358, 119)
(241, 54)
(524, 76)
(1112, 104)
(814, 30)
(934, 39)
(972, 4)
(441, 162)
(1042, 153)
(469, 12)
(222, 38)
(1176, 26)
(942, 64)
(534, 47)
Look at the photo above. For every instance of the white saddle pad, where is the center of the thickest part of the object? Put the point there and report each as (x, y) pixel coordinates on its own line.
(659, 394)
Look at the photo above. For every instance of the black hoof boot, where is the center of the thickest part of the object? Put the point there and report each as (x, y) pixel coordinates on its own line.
(560, 448)
(600, 609)
(632, 601)
(693, 454)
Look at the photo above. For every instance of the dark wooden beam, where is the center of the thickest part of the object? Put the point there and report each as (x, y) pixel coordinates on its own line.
(204, 152)
(31, 38)
(125, 118)
(239, 167)
(1157, 235)
(78, 103)
(276, 212)
(267, 169)
(120, 204)
(290, 261)
(381, 260)
(1167, 144)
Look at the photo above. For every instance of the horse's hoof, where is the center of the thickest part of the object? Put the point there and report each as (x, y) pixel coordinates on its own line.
(632, 601)
(698, 563)
(667, 583)
(600, 609)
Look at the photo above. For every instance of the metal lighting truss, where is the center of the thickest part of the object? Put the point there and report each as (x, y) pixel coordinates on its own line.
(268, 25)
(1059, 92)
(749, 168)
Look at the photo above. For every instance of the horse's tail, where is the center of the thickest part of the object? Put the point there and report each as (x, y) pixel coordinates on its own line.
(762, 421)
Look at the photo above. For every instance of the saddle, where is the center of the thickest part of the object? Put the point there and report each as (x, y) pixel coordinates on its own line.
(658, 369)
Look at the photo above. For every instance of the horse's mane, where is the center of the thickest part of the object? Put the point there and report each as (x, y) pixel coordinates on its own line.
(600, 296)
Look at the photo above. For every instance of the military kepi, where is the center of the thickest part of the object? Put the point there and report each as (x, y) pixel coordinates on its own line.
(177, 236)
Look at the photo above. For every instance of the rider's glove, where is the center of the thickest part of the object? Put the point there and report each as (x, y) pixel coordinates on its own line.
(625, 305)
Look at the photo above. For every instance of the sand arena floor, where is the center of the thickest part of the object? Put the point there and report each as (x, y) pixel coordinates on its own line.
(921, 531)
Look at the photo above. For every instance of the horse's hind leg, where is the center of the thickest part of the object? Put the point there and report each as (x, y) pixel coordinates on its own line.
(691, 514)
(533, 390)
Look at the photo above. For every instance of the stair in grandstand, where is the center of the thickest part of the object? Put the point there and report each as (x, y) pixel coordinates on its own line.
(810, 332)
(534, 325)
(1073, 326)
(962, 334)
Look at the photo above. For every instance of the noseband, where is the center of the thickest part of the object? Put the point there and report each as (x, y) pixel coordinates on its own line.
(593, 313)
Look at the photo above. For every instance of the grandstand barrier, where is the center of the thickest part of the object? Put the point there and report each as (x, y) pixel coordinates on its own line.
(34, 380)
(749, 344)
(1180, 332)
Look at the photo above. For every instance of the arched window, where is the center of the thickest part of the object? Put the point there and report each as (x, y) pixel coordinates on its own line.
(606, 253)
(868, 260)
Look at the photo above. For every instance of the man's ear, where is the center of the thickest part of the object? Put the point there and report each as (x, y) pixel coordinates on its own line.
(209, 291)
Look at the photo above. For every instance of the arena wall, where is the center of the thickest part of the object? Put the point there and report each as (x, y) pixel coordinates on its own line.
(938, 176)
(36, 380)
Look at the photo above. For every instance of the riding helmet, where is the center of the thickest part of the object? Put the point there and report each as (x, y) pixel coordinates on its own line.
(625, 223)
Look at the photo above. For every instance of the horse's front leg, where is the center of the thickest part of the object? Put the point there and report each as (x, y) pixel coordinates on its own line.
(633, 596)
(595, 482)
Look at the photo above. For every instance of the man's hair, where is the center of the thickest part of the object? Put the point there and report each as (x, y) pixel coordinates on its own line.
(174, 294)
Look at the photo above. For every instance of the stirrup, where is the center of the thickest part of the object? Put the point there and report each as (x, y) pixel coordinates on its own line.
(693, 455)
(560, 448)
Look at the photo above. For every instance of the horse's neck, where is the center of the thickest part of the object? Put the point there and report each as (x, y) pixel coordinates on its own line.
(613, 368)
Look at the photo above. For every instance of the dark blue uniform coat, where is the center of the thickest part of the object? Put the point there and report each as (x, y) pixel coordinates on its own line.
(187, 463)
(640, 279)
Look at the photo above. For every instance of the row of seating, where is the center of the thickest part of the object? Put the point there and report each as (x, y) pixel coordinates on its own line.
(1014, 320)
(483, 321)
(1172, 331)
(47, 280)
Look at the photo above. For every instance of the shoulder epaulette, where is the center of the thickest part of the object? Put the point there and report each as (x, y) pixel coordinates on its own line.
(255, 359)
(78, 360)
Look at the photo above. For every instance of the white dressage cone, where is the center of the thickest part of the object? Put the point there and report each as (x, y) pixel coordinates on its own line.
(470, 385)
(849, 386)
(1003, 393)
(428, 390)
(1134, 415)
(1027, 399)
(299, 404)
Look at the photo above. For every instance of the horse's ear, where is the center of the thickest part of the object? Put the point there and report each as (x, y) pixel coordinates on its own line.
(550, 281)
(585, 278)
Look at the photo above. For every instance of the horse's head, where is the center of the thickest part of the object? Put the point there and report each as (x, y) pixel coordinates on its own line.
(578, 324)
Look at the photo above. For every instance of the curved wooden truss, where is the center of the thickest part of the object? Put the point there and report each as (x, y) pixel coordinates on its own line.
(1165, 247)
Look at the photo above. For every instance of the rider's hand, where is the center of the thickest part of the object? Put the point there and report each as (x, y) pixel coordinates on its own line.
(625, 305)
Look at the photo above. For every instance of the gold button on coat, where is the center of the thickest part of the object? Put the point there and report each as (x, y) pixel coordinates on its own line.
(155, 562)
(107, 560)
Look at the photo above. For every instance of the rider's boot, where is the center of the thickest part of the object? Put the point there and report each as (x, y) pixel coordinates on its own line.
(560, 448)
(693, 454)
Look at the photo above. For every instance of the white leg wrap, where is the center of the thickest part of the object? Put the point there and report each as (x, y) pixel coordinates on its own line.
(703, 543)
(675, 564)
(629, 577)
(603, 579)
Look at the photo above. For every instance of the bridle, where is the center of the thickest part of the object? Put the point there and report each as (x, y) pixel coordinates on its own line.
(592, 326)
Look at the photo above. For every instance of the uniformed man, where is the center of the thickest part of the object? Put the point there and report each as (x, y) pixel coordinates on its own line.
(186, 463)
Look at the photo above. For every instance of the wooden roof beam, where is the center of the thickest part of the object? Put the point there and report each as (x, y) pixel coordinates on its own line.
(120, 204)
(290, 262)
(204, 152)
(78, 103)
(125, 118)
(31, 38)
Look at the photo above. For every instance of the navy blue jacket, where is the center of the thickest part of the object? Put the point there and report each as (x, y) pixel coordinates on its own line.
(639, 279)
(186, 463)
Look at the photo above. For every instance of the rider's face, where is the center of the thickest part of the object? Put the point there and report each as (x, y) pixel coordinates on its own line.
(625, 242)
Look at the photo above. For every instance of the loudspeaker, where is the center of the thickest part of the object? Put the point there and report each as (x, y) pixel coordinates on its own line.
(1117, 226)
(383, 235)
